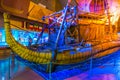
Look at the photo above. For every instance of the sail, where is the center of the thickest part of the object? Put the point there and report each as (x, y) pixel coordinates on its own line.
(83, 5)
(96, 6)
(114, 9)
(100, 7)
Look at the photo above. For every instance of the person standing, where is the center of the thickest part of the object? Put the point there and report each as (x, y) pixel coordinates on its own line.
(29, 41)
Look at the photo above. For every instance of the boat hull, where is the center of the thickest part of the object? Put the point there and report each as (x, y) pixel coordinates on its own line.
(65, 57)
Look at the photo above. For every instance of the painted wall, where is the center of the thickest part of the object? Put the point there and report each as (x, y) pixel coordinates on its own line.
(16, 7)
(54, 5)
(36, 12)
(24, 8)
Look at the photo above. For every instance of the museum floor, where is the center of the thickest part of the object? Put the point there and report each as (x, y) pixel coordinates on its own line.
(12, 69)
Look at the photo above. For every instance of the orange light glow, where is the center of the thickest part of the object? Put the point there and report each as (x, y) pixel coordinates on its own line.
(114, 9)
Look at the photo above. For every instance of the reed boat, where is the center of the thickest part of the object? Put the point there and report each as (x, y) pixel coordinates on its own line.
(73, 37)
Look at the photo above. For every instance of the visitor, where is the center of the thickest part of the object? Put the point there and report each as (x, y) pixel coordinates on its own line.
(29, 41)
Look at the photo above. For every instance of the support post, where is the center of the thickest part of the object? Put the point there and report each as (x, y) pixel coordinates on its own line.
(54, 53)
(10, 67)
(50, 71)
(91, 64)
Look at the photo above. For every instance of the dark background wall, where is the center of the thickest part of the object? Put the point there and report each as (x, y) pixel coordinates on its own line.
(1, 20)
(54, 5)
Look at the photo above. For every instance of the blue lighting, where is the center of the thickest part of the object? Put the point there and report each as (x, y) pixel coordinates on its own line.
(2, 38)
(3, 78)
(22, 36)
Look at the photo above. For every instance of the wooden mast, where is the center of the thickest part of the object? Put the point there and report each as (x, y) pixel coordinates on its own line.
(108, 14)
